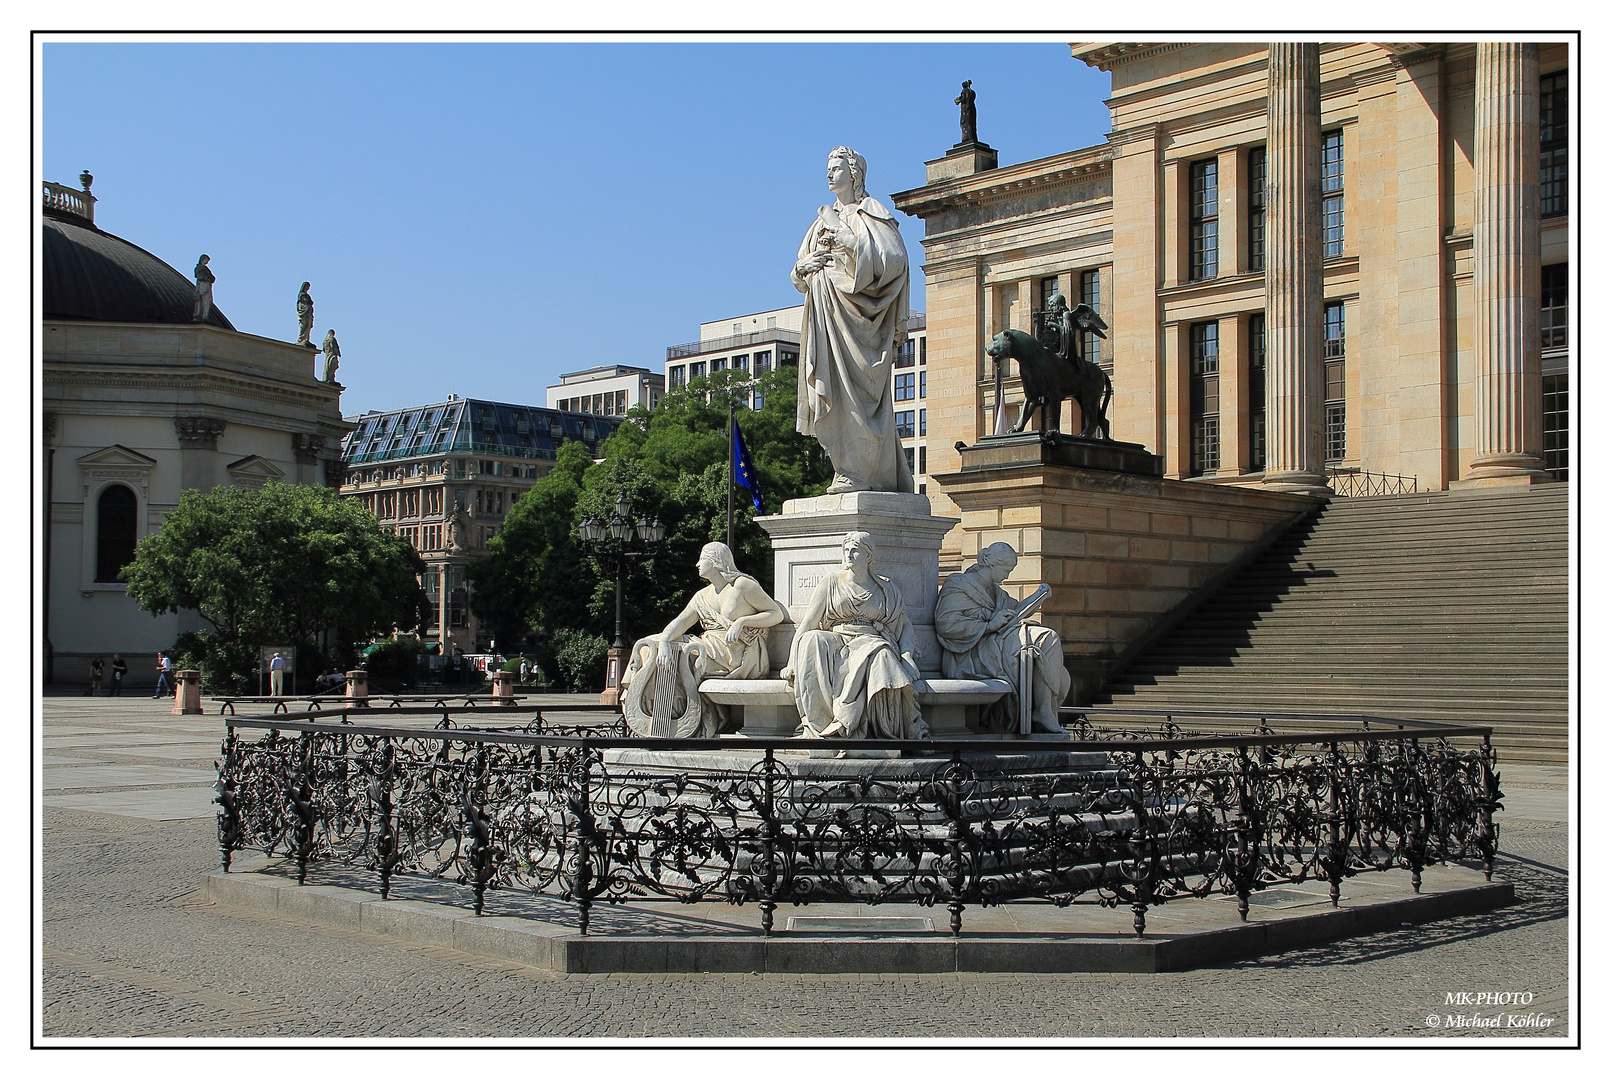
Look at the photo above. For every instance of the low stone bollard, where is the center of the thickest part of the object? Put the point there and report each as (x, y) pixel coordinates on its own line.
(503, 687)
(358, 687)
(186, 692)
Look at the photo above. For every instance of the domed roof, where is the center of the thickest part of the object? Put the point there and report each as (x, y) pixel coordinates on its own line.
(90, 274)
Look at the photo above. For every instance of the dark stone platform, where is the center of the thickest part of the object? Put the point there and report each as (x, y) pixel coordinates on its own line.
(1016, 451)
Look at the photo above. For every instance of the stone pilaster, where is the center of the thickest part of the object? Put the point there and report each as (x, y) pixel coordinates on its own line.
(198, 447)
(1509, 396)
(1292, 275)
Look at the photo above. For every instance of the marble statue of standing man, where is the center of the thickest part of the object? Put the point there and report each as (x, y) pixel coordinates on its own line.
(332, 356)
(852, 268)
(304, 316)
(204, 290)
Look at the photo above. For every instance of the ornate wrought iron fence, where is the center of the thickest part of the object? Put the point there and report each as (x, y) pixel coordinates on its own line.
(1131, 817)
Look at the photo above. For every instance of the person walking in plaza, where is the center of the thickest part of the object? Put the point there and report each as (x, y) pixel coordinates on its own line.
(119, 669)
(97, 672)
(277, 676)
(524, 670)
(164, 675)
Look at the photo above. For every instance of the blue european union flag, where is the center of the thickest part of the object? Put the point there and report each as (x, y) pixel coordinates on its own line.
(744, 474)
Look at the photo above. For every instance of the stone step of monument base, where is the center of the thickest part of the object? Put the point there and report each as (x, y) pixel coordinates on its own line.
(951, 707)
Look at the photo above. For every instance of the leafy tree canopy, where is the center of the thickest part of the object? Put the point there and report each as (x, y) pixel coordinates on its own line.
(539, 579)
(284, 563)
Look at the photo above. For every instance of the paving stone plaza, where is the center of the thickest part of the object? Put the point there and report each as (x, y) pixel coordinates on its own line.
(132, 947)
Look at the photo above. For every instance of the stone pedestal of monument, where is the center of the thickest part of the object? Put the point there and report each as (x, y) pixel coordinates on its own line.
(808, 544)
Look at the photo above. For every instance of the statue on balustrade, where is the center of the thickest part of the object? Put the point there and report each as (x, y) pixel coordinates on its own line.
(204, 290)
(304, 316)
(854, 663)
(983, 635)
(332, 356)
(730, 618)
(970, 113)
(852, 268)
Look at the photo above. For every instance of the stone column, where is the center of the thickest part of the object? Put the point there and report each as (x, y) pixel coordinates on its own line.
(442, 612)
(1509, 381)
(1292, 282)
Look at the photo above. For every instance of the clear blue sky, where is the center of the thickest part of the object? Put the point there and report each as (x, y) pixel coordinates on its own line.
(477, 217)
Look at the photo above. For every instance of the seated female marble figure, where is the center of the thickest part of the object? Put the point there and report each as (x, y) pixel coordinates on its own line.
(733, 613)
(854, 659)
(982, 637)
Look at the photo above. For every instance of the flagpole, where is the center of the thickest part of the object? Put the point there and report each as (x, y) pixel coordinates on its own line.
(731, 453)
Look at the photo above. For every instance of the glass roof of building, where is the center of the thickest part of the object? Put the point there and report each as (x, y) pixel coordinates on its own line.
(472, 426)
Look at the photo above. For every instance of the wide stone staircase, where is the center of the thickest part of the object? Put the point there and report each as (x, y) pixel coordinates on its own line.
(1438, 606)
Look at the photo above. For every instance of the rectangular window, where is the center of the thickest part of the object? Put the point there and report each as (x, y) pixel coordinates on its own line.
(1552, 317)
(1334, 354)
(741, 362)
(1204, 219)
(1557, 423)
(911, 460)
(679, 376)
(905, 387)
(1331, 194)
(696, 371)
(1204, 398)
(763, 362)
(922, 350)
(923, 459)
(922, 384)
(903, 424)
(719, 364)
(1048, 286)
(906, 355)
(1256, 167)
(1256, 413)
(1552, 120)
(1091, 297)
(922, 421)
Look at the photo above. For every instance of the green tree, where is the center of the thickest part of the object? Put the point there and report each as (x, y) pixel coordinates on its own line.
(539, 579)
(281, 564)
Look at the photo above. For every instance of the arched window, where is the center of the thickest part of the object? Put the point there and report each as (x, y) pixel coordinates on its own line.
(114, 532)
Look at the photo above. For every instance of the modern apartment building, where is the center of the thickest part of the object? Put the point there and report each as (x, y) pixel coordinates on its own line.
(609, 390)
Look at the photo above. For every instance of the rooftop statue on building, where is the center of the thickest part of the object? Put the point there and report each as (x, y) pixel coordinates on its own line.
(204, 290)
(729, 619)
(970, 113)
(304, 316)
(332, 356)
(852, 268)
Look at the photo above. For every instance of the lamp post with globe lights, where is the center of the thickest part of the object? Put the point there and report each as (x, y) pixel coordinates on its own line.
(613, 542)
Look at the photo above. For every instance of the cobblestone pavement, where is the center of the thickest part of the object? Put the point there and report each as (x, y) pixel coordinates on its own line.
(130, 948)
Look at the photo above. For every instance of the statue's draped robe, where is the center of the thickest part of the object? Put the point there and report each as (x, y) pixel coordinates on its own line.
(969, 650)
(852, 309)
(849, 679)
(715, 659)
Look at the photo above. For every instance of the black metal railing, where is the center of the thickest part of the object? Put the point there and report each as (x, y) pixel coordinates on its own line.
(1133, 816)
(734, 341)
(1358, 483)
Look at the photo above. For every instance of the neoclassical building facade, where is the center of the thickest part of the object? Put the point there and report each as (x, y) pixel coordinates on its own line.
(143, 400)
(1321, 264)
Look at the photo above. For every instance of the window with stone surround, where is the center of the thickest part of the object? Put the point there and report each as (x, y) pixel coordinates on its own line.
(1552, 119)
(116, 530)
(1335, 352)
(1256, 409)
(904, 425)
(1331, 194)
(1256, 171)
(1557, 425)
(1552, 316)
(906, 387)
(1091, 297)
(1204, 219)
(1204, 398)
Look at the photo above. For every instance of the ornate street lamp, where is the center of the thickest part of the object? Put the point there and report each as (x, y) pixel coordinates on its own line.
(612, 541)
